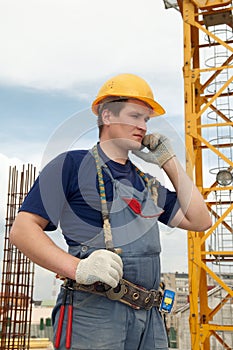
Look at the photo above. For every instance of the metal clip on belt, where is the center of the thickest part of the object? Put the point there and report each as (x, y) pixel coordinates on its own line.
(126, 292)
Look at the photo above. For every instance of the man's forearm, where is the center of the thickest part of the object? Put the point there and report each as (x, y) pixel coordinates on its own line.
(28, 236)
(190, 199)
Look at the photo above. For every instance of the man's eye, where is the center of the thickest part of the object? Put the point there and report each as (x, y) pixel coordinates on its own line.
(136, 116)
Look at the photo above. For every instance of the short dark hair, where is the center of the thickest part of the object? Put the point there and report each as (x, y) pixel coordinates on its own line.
(114, 106)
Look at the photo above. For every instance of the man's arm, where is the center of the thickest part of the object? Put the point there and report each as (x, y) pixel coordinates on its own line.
(28, 235)
(193, 213)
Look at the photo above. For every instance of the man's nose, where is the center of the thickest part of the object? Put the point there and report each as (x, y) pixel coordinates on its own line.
(142, 124)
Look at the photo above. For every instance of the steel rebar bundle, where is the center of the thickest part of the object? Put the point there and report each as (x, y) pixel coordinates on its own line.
(17, 271)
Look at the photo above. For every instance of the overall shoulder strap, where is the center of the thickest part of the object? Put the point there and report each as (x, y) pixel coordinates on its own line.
(104, 209)
(141, 174)
(152, 184)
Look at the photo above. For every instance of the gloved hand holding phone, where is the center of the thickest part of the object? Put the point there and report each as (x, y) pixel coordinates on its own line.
(160, 149)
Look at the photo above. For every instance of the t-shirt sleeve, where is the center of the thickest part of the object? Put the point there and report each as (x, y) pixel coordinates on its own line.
(48, 194)
(168, 201)
(33, 203)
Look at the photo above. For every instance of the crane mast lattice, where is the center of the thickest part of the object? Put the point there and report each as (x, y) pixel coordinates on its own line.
(208, 106)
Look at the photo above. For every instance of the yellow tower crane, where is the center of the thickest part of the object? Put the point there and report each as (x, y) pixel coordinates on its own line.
(208, 106)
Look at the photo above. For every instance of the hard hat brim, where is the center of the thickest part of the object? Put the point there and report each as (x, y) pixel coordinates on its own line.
(157, 109)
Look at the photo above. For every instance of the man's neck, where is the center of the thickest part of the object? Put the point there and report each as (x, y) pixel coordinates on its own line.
(114, 152)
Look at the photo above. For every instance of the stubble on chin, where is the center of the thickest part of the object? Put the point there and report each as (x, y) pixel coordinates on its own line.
(135, 146)
(127, 144)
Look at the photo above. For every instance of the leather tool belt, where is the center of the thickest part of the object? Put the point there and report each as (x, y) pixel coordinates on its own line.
(126, 292)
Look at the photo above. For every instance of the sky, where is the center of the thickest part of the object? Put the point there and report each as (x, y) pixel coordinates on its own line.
(55, 55)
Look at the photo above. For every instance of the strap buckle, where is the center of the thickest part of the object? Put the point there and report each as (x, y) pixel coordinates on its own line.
(118, 292)
(154, 298)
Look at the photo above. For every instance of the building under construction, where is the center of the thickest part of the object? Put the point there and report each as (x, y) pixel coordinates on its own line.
(208, 114)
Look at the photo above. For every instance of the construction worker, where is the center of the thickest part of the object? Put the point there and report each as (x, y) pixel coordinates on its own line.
(108, 211)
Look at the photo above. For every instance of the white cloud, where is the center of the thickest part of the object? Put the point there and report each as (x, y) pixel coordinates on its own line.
(52, 44)
(5, 164)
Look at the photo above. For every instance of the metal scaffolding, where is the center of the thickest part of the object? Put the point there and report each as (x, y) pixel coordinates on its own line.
(17, 272)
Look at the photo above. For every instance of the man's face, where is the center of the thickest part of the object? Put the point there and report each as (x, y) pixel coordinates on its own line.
(130, 126)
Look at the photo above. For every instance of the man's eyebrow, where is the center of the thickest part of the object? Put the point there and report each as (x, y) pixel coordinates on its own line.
(136, 112)
(139, 114)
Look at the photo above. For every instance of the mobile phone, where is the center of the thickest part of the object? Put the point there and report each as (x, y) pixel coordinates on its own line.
(167, 301)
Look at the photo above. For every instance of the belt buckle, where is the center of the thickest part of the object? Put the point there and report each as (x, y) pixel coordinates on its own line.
(118, 292)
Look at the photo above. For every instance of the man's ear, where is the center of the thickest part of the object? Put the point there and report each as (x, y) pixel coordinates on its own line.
(106, 117)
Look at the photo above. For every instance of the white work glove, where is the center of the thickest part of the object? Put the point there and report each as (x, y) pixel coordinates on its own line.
(103, 266)
(160, 149)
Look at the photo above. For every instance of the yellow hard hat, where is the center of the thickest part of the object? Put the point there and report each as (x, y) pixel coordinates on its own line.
(128, 86)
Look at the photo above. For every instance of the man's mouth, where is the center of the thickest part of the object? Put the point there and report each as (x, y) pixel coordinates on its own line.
(138, 136)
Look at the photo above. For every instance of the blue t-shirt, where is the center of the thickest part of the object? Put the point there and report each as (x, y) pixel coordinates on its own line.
(66, 193)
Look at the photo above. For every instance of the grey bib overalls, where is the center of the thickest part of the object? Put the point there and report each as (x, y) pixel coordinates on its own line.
(100, 323)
